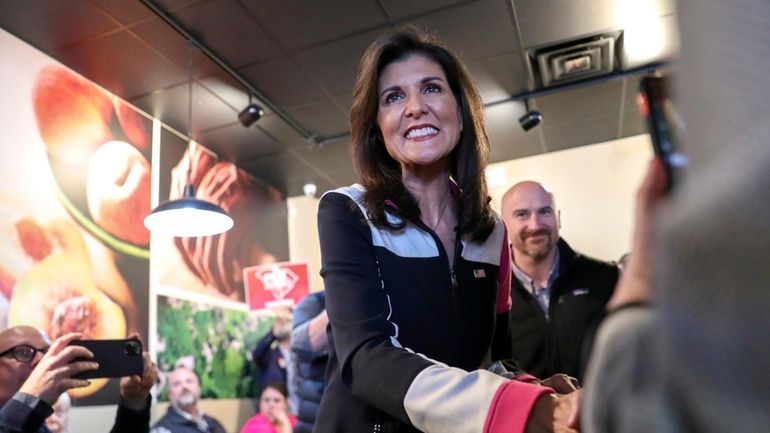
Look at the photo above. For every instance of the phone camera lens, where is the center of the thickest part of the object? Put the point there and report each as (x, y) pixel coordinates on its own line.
(133, 348)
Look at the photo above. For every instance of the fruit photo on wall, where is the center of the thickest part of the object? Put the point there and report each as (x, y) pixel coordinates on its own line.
(75, 255)
(213, 265)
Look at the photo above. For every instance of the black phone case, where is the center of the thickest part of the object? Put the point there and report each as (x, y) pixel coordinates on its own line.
(658, 124)
(116, 358)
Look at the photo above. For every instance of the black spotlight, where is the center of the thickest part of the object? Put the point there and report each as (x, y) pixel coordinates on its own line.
(531, 118)
(250, 114)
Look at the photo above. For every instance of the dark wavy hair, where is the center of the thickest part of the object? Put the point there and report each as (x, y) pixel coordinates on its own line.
(380, 174)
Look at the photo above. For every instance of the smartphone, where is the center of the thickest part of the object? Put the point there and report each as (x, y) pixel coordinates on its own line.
(116, 358)
(664, 125)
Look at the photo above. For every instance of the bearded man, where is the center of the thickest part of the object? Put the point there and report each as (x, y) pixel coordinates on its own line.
(184, 416)
(559, 295)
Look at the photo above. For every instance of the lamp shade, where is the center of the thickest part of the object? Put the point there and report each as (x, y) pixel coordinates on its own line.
(188, 217)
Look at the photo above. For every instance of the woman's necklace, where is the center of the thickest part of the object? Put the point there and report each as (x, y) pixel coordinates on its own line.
(441, 214)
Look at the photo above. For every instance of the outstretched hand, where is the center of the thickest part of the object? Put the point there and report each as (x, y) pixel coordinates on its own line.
(53, 374)
(554, 413)
(135, 389)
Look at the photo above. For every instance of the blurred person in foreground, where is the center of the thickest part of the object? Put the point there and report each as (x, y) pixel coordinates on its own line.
(686, 347)
(34, 372)
(416, 264)
(558, 294)
(183, 415)
(273, 415)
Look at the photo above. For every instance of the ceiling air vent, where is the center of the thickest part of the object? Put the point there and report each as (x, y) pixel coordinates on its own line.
(575, 60)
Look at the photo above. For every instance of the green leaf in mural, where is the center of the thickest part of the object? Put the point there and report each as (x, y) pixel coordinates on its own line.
(219, 340)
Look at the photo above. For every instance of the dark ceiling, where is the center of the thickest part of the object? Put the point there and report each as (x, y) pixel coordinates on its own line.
(301, 56)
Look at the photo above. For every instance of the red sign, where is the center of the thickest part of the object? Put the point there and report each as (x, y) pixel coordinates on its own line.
(276, 284)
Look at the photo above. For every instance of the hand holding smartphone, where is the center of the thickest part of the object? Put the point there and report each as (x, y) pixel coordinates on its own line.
(116, 358)
(664, 125)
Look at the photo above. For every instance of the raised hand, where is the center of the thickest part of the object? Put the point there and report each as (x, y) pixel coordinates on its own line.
(53, 374)
(135, 389)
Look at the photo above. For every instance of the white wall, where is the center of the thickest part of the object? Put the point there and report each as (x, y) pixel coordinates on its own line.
(303, 236)
(594, 187)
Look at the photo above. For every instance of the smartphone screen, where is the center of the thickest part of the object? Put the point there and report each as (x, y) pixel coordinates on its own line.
(116, 358)
(664, 125)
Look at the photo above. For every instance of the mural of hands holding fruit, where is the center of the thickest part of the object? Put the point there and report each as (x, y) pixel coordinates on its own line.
(216, 262)
(78, 259)
(88, 131)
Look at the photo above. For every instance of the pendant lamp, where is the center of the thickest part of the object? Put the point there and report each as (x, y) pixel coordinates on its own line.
(188, 216)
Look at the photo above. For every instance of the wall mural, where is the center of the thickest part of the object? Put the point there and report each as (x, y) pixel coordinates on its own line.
(75, 185)
(216, 342)
(213, 265)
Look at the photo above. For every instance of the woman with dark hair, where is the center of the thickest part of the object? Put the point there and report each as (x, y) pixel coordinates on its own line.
(273, 416)
(416, 264)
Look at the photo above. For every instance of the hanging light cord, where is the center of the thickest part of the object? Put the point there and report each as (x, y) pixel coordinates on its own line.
(190, 149)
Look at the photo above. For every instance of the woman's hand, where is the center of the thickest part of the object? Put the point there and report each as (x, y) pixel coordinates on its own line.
(281, 421)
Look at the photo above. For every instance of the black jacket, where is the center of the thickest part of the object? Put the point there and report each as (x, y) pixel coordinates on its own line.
(561, 343)
(174, 422)
(389, 290)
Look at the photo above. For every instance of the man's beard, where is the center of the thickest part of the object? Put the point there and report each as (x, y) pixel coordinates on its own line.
(538, 252)
(186, 400)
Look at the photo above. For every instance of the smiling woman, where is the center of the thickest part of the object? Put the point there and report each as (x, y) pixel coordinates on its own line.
(415, 263)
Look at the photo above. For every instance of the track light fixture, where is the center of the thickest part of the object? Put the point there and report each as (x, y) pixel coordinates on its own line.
(531, 118)
(250, 114)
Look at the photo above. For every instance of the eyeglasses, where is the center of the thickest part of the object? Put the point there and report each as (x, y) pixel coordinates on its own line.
(24, 353)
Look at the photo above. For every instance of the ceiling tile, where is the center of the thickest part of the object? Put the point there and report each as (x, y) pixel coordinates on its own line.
(228, 30)
(273, 169)
(281, 131)
(314, 22)
(589, 130)
(171, 105)
(230, 91)
(334, 65)
(400, 9)
(122, 63)
(344, 102)
(507, 139)
(632, 123)
(52, 24)
(171, 44)
(498, 78)
(583, 102)
(285, 83)
(323, 118)
(331, 157)
(487, 28)
(544, 22)
(631, 91)
(235, 142)
(124, 11)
